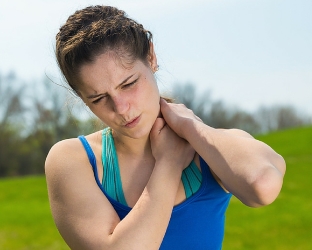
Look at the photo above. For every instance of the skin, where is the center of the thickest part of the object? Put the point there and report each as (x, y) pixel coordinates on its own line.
(109, 89)
(150, 148)
(248, 168)
(157, 140)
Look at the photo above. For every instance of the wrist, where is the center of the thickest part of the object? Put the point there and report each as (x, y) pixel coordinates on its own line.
(166, 178)
(168, 167)
(187, 127)
(195, 129)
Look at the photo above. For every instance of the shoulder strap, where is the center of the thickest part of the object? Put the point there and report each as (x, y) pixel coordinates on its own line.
(111, 175)
(91, 157)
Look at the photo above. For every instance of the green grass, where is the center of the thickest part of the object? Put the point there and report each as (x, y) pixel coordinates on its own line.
(286, 223)
(26, 222)
(25, 217)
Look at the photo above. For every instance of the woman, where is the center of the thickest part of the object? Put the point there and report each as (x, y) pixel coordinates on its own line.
(157, 177)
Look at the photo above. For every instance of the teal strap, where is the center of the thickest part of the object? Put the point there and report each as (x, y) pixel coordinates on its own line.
(191, 179)
(111, 181)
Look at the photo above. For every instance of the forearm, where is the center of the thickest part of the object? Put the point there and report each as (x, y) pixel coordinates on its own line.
(248, 168)
(144, 227)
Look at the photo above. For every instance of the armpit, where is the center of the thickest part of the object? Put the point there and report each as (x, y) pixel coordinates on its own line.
(218, 180)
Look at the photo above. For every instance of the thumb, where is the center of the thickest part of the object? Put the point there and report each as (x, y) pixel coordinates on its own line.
(163, 107)
(158, 126)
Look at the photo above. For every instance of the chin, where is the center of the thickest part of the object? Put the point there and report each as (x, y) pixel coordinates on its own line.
(140, 133)
(137, 132)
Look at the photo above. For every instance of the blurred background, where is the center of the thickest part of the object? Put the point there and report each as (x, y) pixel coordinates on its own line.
(236, 63)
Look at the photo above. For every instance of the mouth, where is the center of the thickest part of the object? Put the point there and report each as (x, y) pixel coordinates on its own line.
(132, 123)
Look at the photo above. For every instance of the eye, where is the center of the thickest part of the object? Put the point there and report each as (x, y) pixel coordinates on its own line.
(130, 84)
(97, 100)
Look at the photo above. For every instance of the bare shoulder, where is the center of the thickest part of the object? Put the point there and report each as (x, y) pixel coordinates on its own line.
(66, 163)
(69, 154)
(64, 156)
(64, 147)
(71, 190)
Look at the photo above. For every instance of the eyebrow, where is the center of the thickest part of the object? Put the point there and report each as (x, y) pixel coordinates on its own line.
(96, 95)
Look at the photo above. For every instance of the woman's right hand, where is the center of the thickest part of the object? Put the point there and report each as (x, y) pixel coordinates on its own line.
(167, 146)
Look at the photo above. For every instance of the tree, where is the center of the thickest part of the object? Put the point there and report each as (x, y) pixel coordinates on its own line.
(11, 106)
(214, 113)
(280, 117)
(11, 123)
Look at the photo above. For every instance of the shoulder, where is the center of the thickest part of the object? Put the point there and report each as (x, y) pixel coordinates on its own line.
(68, 158)
(71, 190)
(66, 152)
(70, 152)
(69, 175)
(66, 162)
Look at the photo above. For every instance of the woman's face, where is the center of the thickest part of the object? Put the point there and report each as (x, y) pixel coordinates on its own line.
(125, 97)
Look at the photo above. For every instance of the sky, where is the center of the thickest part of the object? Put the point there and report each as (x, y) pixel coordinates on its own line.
(248, 53)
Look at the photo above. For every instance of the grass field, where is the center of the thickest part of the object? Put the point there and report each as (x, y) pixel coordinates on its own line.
(26, 223)
(25, 217)
(287, 223)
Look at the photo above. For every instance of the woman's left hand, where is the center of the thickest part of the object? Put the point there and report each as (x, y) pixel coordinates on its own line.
(176, 116)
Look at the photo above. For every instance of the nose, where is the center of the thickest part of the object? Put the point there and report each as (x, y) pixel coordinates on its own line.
(120, 105)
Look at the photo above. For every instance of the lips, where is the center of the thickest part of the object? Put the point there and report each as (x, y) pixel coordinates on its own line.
(132, 123)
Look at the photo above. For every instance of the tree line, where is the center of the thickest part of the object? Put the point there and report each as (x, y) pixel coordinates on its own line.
(34, 116)
(218, 114)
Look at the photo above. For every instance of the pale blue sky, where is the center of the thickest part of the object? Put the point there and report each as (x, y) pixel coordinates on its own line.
(247, 52)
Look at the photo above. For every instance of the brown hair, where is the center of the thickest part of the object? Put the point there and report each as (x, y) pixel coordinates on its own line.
(94, 30)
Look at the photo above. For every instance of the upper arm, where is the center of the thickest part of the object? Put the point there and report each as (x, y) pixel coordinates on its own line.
(276, 159)
(83, 215)
(236, 132)
(273, 162)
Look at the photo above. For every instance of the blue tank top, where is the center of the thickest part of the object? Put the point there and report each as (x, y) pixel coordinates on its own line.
(196, 223)
(111, 181)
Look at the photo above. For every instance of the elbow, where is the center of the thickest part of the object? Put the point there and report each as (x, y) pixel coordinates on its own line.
(267, 186)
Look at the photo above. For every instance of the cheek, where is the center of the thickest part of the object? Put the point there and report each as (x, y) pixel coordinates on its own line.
(152, 102)
(147, 93)
(151, 95)
(105, 117)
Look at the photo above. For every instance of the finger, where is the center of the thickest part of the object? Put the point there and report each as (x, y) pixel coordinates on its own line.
(162, 100)
(163, 107)
(158, 126)
(163, 103)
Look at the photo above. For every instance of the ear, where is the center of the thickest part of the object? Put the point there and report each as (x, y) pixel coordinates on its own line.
(152, 59)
